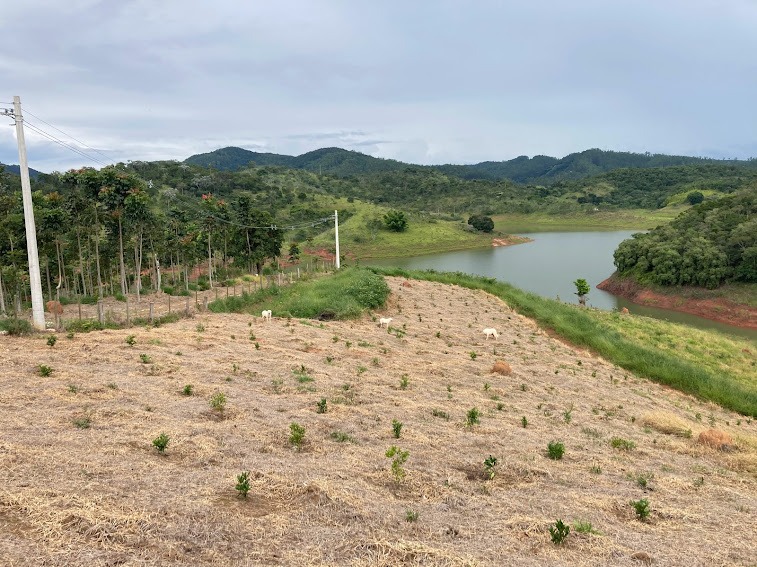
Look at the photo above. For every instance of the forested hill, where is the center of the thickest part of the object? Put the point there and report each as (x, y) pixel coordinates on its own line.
(333, 161)
(710, 243)
(542, 170)
(15, 169)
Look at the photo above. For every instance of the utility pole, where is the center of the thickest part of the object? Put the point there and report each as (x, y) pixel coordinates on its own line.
(336, 233)
(35, 281)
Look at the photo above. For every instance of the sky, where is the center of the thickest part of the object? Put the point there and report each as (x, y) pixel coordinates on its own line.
(421, 81)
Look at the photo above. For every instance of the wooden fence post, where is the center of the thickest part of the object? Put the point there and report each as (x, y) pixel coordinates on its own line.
(152, 320)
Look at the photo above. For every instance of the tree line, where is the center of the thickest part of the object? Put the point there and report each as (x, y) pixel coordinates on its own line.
(711, 243)
(110, 231)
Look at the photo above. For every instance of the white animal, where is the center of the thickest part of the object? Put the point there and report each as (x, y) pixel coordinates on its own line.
(266, 314)
(384, 322)
(491, 333)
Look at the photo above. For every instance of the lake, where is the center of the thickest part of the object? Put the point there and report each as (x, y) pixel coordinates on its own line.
(549, 265)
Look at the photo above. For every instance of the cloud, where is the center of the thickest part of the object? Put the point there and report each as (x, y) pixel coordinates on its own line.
(423, 81)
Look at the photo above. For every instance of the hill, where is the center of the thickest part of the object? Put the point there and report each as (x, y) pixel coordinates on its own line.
(705, 246)
(538, 169)
(16, 170)
(334, 161)
(80, 469)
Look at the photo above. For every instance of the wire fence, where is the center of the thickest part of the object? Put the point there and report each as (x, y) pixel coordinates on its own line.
(154, 307)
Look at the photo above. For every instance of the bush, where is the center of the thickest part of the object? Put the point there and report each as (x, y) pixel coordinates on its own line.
(481, 222)
(555, 450)
(14, 326)
(395, 221)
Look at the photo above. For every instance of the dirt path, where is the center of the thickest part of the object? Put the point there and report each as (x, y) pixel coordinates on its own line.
(81, 484)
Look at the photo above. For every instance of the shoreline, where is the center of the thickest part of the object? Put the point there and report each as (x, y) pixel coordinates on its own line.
(715, 309)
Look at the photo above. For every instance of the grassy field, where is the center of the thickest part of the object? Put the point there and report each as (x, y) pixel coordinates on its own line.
(425, 235)
(601, 220)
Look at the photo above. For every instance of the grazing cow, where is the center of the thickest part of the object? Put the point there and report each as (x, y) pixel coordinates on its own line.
(266, 314)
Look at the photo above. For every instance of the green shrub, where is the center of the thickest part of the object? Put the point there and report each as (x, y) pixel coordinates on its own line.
(51, 340)
(555, 450)
(188, 390)
(641, 507)
(472, 417)
(243, 484)
(559, 532)
(44, 370)
(131, 340)
(161, 442)
(396, 428)
(398, 457)
(296, 434)
(320, 406)
(489, 464)
(411, 515)
(622, 444)
(14, 326)
(218, 401)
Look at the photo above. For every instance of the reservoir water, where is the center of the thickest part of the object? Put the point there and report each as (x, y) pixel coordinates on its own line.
(549, 265)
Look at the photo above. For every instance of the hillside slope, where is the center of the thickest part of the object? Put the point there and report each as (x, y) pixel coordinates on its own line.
(79, 467)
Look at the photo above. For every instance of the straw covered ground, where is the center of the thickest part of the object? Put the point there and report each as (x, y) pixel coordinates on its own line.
(82, 484)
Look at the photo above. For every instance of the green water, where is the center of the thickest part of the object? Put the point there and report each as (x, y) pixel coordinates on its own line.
(549, 265)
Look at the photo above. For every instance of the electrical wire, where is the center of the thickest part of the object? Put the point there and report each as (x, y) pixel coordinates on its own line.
(52, 138)
(26, 111)
(192, 207)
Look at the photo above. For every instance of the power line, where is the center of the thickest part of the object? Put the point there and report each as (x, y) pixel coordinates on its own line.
(52, 138)
(200, 212)
(26, 111)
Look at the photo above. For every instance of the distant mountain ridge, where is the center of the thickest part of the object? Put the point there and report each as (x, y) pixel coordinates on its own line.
(538, 169)
(16, 170)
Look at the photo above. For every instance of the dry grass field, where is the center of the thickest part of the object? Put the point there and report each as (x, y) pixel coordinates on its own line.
(82, 484)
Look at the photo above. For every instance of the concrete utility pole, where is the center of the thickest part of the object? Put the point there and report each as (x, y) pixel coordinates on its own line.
(336, 232)
(35, 281)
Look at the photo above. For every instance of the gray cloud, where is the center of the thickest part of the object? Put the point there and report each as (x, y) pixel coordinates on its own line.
(425, 81)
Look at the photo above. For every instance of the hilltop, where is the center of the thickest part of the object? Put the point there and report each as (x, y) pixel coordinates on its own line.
(539, 169)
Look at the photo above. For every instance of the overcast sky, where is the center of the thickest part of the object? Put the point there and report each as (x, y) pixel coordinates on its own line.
(416, 80)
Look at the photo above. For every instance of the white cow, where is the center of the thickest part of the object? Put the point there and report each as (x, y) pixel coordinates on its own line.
(384, 322)
(266, 314)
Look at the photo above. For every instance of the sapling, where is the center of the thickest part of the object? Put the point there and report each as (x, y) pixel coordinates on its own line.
(161, 442)
(218, 401)
(243, 484)
(559, 531)
(642, 508)
(555, 450)
(489, 464)
(296, 434)
(472, 417)
(51, 340)
(398, 457)
(396, 428)
(320, 406)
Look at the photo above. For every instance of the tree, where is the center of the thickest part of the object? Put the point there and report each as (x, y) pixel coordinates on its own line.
(582, 290)
(694, 198)
(294, 252)
(481, 222)
(395, 221)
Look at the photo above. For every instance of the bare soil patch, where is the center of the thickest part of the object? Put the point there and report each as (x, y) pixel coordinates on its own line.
(103, 495)
(715, 309)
